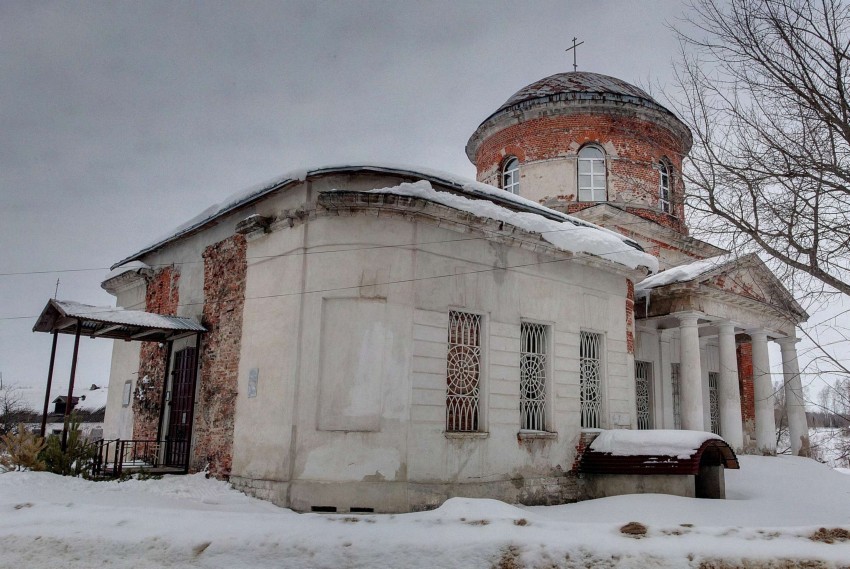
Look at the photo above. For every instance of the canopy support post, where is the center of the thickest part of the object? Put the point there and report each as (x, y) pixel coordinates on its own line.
(70, 402)
(49, 383)
(165, 381)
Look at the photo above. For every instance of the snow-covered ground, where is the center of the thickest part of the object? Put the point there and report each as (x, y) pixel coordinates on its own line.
(774, 505)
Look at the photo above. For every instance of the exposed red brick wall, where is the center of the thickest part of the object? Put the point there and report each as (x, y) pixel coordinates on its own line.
(744, 353)
(630, 316)
(584, 440)
(225, 268)
(739, 287)
(161, 296)
(639, 144)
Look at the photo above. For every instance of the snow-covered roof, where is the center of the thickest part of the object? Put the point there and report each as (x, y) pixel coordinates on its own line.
(684, 273)
(132, 266)
(112, 322)
(565, 234)
(89, 399)
(461, 184)
(652, 442)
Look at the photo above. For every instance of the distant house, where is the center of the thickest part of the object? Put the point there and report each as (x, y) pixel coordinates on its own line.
(376, 337)
(88, 404)
(60, 404)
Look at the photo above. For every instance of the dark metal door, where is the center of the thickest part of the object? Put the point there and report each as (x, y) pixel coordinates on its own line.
(179, 435)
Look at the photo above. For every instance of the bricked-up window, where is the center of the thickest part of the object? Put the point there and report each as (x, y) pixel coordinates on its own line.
(590, 379)
(463, 372)
(591, 175)
(510, 175)
(677, 401)
(532, 376)
(664, 187)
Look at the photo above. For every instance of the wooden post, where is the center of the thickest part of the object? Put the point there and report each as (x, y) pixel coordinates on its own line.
(162, 401)
(49, 383)
(70, 402)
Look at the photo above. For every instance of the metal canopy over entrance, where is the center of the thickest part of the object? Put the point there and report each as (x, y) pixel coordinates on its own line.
(69, 317)
(63, 317)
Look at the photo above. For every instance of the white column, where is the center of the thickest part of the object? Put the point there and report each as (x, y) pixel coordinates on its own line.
(795, 406)
(728, 393)
(763, 394)
(690, 374)
(666, 380)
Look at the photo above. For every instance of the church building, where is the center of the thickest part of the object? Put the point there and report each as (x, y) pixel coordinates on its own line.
(381, 338)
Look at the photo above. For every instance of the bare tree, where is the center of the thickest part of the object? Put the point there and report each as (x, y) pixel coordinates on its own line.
(13, 409)
(762, 85)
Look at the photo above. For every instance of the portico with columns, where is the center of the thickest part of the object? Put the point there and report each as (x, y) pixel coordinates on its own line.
(694, 325)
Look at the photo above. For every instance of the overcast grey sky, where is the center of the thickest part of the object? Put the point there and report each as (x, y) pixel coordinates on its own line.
(121, 120)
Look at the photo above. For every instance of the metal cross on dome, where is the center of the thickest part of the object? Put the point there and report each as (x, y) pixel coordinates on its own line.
(574, 50)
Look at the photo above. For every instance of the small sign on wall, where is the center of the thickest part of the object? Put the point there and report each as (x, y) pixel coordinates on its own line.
(125, 397)
(253, 378)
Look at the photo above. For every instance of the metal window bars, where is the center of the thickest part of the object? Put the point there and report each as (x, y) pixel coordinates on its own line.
(532, 379)
(713, 404)
(643, 394)
(590, 379)
(463, 372)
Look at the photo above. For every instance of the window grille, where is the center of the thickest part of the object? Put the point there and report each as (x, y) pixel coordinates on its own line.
(590, 380)
(677, 402)
(591, 175)
(532, 377)
(463, 371)
(510, 176)
(664, 187)
(713, 405)
(643, 394)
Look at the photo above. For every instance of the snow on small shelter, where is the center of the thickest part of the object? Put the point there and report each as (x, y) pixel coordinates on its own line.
(686, 463)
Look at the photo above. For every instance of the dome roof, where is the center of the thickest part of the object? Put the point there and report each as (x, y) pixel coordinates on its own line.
(575, 84)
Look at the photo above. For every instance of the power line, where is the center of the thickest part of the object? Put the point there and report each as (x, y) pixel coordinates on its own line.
(400, 281)
(399, 245)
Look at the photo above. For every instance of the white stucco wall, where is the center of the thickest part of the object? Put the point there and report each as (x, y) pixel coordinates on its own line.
(345, 329)
(308, 427)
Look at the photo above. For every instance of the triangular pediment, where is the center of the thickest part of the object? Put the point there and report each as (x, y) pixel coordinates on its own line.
(749, 277)
(746, 279)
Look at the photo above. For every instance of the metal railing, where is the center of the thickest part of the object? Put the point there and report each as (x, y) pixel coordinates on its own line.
(115, 457)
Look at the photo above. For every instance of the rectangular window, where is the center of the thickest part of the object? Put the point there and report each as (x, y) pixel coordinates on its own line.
(532, 376)
(590, 380)
(677, 402)
(643, 394)
(713, 405)
(463, 372)
(664, 188)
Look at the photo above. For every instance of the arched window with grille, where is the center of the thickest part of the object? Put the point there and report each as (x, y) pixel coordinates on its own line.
(592, 185)
(510, 175)
(664, 187)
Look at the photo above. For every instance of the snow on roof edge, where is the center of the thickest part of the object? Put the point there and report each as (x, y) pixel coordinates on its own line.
(132, 266)
(683, 273)
(257, 191)
(563, 235)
